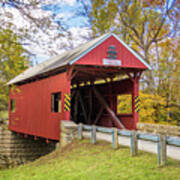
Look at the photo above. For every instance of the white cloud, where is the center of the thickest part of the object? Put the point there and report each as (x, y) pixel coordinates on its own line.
(65, 15)
(69, 2)
(62, 44)
(80, 35)
(14, 17)
(46, 46)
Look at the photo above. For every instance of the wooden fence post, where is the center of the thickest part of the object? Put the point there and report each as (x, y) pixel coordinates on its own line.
(114, 138)
(161, 150)
(80, 131)
(134, 145)
(93, 134)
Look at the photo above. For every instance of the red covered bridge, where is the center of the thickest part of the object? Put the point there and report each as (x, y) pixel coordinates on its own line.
(65, 88)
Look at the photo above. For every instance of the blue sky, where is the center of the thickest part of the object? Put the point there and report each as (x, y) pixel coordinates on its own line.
(69, 14)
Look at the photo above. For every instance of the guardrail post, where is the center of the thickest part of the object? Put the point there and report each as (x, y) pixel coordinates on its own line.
(80, 131)
(114, 138)
(134, 145)
(162, 150)
(93, 134)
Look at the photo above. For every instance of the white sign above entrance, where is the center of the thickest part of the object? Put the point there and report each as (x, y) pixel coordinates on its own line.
(112, 62)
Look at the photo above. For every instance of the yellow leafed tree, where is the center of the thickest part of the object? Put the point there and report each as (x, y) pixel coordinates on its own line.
(152, 108)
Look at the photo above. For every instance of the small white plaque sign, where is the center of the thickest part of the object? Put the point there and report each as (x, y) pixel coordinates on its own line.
(112, 62)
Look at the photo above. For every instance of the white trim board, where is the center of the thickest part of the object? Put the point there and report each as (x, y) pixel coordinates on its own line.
(132, 51)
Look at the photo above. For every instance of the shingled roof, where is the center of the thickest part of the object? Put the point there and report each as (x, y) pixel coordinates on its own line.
(67, 58)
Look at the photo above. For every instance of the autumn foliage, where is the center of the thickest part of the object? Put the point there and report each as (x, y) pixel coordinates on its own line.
(13, 60)
(153, 109)
(151, 28)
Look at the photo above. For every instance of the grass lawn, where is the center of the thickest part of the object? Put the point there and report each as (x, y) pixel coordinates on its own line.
(82, 160)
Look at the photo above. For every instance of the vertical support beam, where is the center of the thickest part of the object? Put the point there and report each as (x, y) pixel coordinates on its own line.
(115, 103)
(162, 150)
(114, 138)
(68, 91)
(134, 77)
(111, 95)
(99, 115)
(83, 107)
(135, 100)
(134, 145)
(93, 134)
(90, 106)
(76, 103)
(80, 131)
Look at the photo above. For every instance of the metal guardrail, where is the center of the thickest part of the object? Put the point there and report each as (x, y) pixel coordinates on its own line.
(174, 141)
(134, 136)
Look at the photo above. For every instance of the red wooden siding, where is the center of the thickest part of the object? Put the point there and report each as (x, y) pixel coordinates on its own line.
(96, 56)
(33, 107)
(33, 114)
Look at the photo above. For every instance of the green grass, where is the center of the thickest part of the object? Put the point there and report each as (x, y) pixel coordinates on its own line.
(82, 160)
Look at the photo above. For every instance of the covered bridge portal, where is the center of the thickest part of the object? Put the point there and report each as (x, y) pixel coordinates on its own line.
(81, 85)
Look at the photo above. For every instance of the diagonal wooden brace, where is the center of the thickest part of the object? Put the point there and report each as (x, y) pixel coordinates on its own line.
(108, 109)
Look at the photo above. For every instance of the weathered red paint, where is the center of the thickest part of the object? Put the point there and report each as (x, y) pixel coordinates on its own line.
(96, 56)
(33, 107)
(134, 94)
(33, 114)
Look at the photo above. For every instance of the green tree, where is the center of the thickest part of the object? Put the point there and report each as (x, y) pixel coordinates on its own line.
(168, 76)
(151, 28)
(13, 60)
(141, 24)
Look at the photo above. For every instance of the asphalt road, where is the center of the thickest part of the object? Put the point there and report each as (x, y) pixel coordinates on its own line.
(148, 146)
